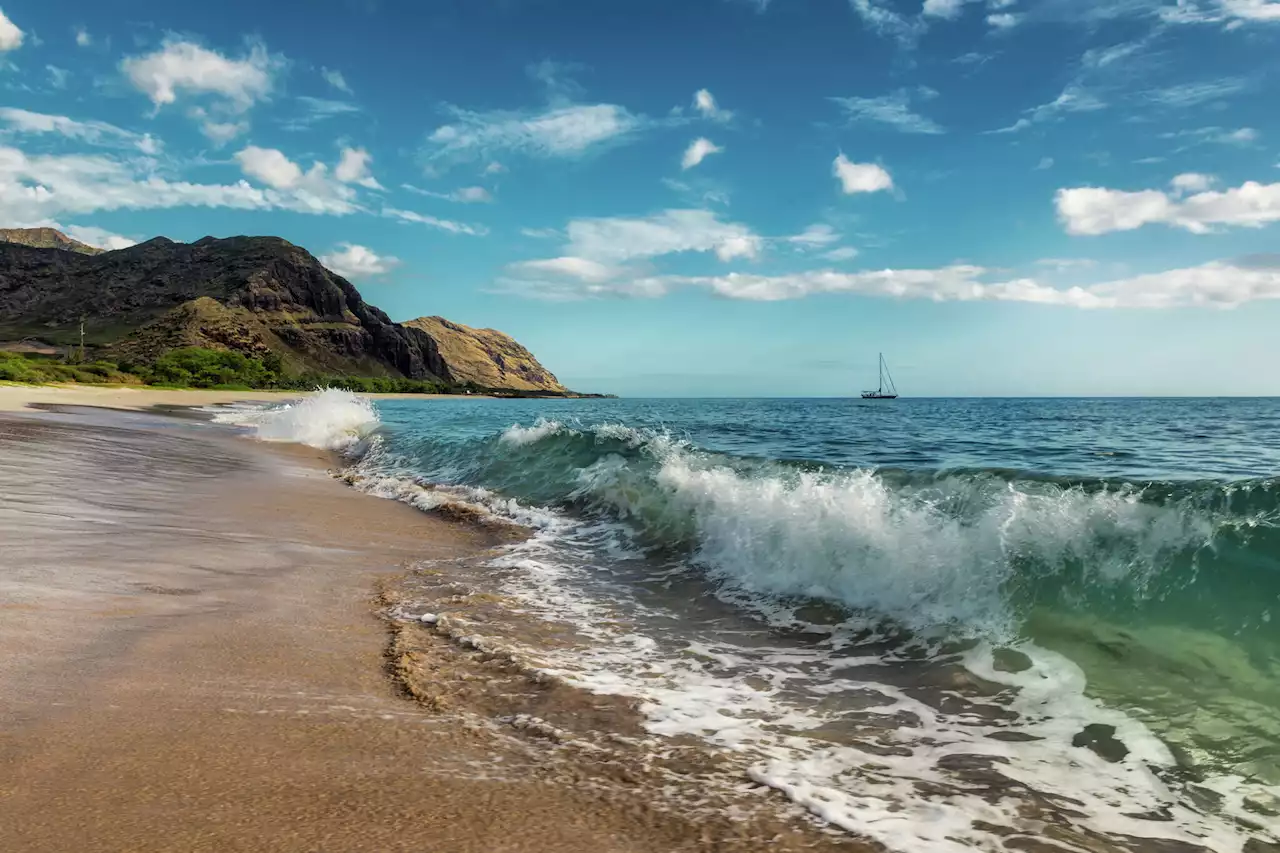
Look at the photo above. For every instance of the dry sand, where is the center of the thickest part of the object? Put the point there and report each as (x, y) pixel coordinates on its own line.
(192, 659)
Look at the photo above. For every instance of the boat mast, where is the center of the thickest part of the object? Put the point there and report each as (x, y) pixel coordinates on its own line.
(880, 390)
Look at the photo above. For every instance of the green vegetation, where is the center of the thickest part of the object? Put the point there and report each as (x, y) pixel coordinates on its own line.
(199, 367)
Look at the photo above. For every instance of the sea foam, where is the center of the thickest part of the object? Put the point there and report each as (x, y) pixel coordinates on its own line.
(331, 419)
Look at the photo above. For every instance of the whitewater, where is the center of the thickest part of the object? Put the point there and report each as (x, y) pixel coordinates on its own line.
(940, 624)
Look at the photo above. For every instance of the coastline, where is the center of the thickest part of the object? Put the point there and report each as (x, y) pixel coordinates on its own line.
(194, 659)
(15, 398)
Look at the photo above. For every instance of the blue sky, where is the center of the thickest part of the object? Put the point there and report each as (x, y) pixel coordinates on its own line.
(706, 197)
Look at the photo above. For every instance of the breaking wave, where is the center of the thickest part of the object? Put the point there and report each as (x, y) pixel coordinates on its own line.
(966, 552)
(331, 419)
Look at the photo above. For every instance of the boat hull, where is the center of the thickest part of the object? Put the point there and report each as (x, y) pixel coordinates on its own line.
(874, 396)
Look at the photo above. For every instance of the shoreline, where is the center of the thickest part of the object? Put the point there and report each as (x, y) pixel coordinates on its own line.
(197, 656)
(16, 398)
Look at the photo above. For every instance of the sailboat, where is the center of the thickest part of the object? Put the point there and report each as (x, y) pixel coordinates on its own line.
(880, 393)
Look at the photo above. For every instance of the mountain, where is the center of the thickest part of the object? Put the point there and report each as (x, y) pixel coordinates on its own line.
(250, 294)
(46, 238)
(487, 357)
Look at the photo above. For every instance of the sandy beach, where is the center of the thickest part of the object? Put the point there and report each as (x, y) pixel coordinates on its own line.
(194, 656)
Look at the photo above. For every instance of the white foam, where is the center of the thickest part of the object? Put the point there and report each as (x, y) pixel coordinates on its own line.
(331, 419)
(519, 436)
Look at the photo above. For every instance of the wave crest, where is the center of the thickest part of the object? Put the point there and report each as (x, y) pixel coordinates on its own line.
(331, 419)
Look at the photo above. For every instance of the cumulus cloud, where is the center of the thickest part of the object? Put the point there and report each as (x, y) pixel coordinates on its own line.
(1191, 182)
(705, 103)
(698, 150)
(270, 166)
(83, 39)
(99, 237)
(222, 132)
(358, 262)
(183, 67)
(10, 36)
(893, 109)
(353, 168)
(1098, 210)
(844, 253)
(434, 222)
(557, 132)
(860, 177)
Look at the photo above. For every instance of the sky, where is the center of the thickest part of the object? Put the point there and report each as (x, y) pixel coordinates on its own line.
(705, 197)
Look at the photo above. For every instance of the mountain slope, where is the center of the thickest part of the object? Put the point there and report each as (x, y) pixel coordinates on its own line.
(46, 238)
(487, 357)
(248, 293)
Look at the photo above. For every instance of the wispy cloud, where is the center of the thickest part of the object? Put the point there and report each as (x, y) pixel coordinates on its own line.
(558, 132)
(1194, 94)
(335, 79)
(464, 195)
(434, 222)
(893, 110)
(705, 103)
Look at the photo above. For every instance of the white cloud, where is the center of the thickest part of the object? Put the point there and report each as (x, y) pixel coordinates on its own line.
(90, 132)
(1222, 284)
(40, 187)
(1185, 95)
(1241, 136)
(270, 166)
(844, 253)
(705, 103)
(581, 269)
(1096, 210)
(99, 237)
(1074, 99)
(186, 67)
(494, 168)
(1045, 163)
(1002, 20)
(1232, 12)
(567, 131)
(893, 109)
(222, 132)
(860, 177)
(884, 21)
(10, 36)
(814, 237)
(465, 195)
(353, 168)
(433, 222)
(315, 189)
(948, 9)
(358, 262)
(1191, 182)
(335, 79)
(617, 239)
(83, 39)
(698, 151)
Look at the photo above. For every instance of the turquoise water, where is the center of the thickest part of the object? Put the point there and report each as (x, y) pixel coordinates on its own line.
(1082, 596)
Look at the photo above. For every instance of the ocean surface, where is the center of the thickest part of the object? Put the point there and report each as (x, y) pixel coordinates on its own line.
(940, 624)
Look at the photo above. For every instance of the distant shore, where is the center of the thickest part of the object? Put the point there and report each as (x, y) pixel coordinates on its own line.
(14, 398)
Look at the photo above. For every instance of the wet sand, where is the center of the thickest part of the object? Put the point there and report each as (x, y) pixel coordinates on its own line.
(193, 657)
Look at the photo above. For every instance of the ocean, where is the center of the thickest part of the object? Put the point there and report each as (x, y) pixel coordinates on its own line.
(940, 624)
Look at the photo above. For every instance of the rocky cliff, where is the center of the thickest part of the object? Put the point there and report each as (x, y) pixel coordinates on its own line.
(487, 357)
(46, 238)
(252, 294)
(255, 295)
